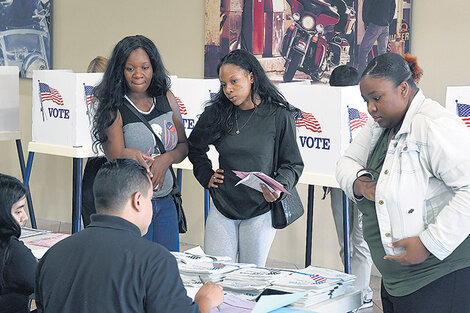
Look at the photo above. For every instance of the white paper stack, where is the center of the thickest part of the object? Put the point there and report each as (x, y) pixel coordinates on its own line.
(187, 258)
(322, 284)
(213, 271)
(252, 280)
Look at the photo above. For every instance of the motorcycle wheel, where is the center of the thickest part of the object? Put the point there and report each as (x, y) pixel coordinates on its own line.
(291, 66)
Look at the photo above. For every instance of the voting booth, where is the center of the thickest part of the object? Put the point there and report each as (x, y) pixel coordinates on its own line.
(458, 102)
(62, 107)
(9, 99)
(330, 118)
(192, 95)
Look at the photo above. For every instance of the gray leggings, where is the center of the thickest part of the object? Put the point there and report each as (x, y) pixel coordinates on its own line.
(251, 238)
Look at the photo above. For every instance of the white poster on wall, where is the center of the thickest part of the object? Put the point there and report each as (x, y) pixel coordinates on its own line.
(458, 102)
(9, 98)
(62, 107)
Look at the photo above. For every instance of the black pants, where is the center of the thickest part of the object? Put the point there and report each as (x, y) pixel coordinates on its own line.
(448, 294)
(88, 201)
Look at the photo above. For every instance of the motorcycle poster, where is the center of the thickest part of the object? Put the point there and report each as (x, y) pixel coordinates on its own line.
(25, 35)
(298, 40)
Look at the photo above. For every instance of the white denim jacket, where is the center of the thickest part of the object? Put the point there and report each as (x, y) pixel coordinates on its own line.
(424, 185)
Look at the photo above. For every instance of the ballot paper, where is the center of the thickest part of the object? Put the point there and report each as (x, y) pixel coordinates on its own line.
(272, 302)
(314, 277)
(196, 254)
(234, 304)
(48, 241)
(252, 279)
(254, 179)
(27, 232)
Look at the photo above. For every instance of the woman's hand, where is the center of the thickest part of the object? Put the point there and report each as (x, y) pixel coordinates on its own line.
(364, 187)
(268, 195)
(217, 178)
(134, 154)
(115, 149)
(415, 253)
(158, 168)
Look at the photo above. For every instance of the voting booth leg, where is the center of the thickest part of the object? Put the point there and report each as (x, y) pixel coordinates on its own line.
(77, 194)
(207, 201)
(346, 233)
(26, 176)
(308, 248)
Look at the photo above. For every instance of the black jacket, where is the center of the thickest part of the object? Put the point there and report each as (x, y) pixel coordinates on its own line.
(378, 12)
(108, 267)
(17, 266)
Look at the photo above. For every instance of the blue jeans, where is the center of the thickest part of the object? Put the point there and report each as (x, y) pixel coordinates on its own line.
(164, 226)
(373, 33)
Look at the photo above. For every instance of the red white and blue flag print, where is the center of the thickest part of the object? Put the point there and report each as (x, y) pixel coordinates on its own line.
(463, 110)
(307, 120)
(88, 94)
(181, 106)
(50, 94)
(357, 118)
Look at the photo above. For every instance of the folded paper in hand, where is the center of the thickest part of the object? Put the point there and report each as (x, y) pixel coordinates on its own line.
(254, 179)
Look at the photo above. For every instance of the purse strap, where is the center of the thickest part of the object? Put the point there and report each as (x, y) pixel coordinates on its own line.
(277, 141)
(160, 145)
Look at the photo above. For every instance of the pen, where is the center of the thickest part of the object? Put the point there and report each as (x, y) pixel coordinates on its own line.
(205, 281)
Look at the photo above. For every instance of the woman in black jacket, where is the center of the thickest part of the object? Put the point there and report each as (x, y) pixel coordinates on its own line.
(17, 263)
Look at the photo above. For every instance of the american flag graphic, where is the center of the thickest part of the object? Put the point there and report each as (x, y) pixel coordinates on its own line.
(212, 95)
(357, 119)
(307, 120)
(49, 93)
(463, 110)
(88, 94)
(181, 106)
(318, 279)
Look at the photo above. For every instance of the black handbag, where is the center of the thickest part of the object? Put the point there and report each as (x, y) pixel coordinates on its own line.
(176, 191)
(285, 211)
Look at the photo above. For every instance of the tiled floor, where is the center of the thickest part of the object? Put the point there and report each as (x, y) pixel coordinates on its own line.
(61, 227)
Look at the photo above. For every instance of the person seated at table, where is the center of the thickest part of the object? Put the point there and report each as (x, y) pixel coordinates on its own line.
(109, 267)
(17, 263)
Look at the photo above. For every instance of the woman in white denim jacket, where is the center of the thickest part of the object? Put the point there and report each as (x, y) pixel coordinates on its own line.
(409, 172)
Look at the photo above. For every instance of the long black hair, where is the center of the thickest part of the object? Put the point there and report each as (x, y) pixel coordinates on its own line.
(395, 68)
(113, 87)
(11, 191)
(224, 110)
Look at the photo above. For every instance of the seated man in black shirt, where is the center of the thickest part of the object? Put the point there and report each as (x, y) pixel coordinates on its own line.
(108, 267)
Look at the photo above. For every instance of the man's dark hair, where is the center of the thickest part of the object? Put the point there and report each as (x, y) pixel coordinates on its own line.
(343, 76)
(116, 182)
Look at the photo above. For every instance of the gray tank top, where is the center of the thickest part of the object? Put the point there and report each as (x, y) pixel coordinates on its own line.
(138, 136)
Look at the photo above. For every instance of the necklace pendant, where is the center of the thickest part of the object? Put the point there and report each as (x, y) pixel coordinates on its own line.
(237, 132)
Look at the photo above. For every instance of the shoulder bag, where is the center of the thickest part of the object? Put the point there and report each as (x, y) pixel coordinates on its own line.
(176, 191)
(284, 212)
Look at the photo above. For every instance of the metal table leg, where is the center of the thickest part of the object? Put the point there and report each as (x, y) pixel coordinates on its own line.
(308, 248)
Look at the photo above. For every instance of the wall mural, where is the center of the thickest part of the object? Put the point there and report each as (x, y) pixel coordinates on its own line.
(305, 39)
(25, 35)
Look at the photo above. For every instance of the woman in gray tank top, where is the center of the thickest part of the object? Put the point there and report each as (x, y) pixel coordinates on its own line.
(135, 74)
